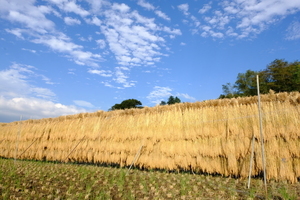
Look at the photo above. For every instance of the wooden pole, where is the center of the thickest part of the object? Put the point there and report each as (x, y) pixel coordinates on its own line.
(18, 138)
(135, 158)
(74, 149)
(261, 136)
(251, 161)
(27, 148)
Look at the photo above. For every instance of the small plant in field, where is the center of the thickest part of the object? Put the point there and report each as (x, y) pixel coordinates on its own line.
(289, 195)
(183, 186)
(121, 179)
(252, 192)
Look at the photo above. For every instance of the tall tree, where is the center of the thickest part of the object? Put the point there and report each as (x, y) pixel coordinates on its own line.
(279, 76)
(295, 68)
(177, 100)
(173, 100)
(229, 91)
(246, 83)
(282, 76)
(162, 103)
(127, 104)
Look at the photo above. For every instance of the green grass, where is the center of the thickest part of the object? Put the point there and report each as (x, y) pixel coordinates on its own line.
(44, 180)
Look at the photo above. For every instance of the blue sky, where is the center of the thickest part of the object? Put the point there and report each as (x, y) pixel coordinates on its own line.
(62, 57)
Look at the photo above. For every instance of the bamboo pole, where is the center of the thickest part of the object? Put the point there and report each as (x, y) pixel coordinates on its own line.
(251, 161)
(261, 136)
(74, 148)
(135, 158)
(27, 148)
(18, 138)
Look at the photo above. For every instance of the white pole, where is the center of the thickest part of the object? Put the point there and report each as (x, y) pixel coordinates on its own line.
(261, 135)
(18, 137)
(251, 161)
(135, 158)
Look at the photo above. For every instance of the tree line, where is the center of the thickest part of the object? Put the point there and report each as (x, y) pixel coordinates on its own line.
(133, 103)
(279, 76)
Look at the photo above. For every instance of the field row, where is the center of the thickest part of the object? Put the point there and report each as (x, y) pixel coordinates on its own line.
(41, 180)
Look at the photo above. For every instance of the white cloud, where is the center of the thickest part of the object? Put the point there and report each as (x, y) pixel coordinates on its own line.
(123, 8)
(97, 5)
(18, 96)
(27, 14)
(254, 17)
(205, 8)
(95, 20)
(70, 6)
(107, 84)
(230, 32)
(71, 21)
(101, 43)
(121, 78)
(14, 83)
(196, 21)
(238, 18)
(62, 43)
(132, 38)
(293, 31)
(41, 30)
(159, 94)
(145, 4)
(30, 50)
(82, 103)
(186, 96)
(32, 108)
(172, 31)
(162, 15)
(204, 34)
(184, 8)
(104, 73)
(17, 32)
(231, 9)
(71, 71)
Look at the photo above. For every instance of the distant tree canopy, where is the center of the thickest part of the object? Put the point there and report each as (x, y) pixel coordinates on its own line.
(279, 76)
(171, 100)
(127, 104)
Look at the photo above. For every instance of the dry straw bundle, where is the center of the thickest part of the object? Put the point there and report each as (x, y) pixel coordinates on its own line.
(211, 136)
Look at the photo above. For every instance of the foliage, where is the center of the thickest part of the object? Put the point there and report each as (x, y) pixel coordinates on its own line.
(279, 76)
(282, 76)
(229, 91)
(171, 100)
(162, 103)
(127, 104)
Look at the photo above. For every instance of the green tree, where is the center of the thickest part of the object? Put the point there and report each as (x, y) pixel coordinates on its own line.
(295, 68)
(246, 83)
(282, 76)
(127, 104)
(279, 76)
(162, 103)
(229, 91)
(173, 100)
(177, 100)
